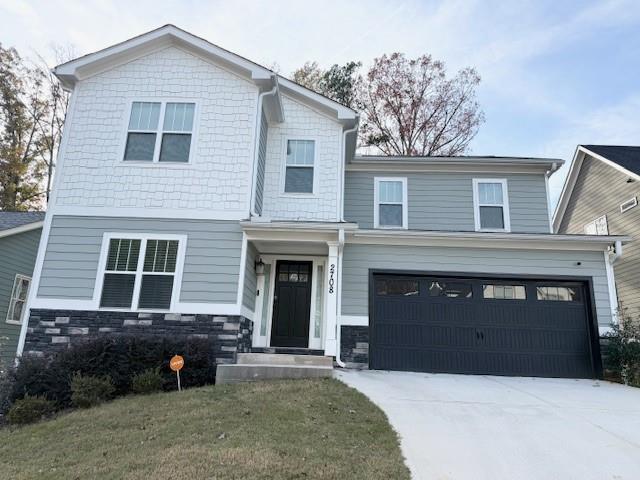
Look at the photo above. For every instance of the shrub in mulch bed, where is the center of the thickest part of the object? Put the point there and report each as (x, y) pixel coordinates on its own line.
(121, 358)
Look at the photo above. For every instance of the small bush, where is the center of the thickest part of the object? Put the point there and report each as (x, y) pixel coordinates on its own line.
(88, 391)
(120, 357)
(30, 409)
(149, 381)
(622, 352)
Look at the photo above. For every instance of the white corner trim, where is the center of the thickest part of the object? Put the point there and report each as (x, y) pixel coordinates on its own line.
(548, 197)
(505, 204)
(243, 269)
(21, 229)
(376, 202)
(354, 320)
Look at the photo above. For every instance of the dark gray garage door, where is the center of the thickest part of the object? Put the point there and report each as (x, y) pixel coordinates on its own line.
(481, 326)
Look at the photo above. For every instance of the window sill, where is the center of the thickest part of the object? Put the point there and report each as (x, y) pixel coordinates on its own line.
(383, 227)
(298, 195)
(149, 164)
(493, 230)
(14, 322)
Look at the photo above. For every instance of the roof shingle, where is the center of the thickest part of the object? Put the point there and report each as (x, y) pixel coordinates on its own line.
(626, 156)
(10, 220)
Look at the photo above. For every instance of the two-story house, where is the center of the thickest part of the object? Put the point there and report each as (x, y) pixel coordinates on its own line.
(600, 197)
(199, 193)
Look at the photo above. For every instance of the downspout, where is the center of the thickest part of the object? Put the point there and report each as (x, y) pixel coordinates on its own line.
(339, 299)
(611, 257)
(256, 148)
(617, 252)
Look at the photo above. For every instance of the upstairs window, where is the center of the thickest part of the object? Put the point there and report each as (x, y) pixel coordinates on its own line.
(299, 166)
(139, 273)
(491, 205)
(150, 141)
(598, 227)
(390, 203)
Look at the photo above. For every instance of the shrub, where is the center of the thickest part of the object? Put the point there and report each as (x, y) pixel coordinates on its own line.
(30, 409)
(88, 391)
(119, 357)
(622, 352)
(149, 381)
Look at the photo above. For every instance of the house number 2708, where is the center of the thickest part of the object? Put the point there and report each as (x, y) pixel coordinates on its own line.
(332, 281)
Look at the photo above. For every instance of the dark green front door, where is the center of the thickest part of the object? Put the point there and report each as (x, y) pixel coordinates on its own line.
(291, 304)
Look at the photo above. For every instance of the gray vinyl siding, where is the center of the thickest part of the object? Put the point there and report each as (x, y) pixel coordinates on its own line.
(211, 267)
(444, 201)
(358, 259)
(262, 160)
(250, 281)
(599, 190)
(17, 256)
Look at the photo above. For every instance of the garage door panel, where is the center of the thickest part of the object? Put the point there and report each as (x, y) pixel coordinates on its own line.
(468, 333)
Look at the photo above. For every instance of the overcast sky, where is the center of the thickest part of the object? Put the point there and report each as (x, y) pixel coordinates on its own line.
(554, 73)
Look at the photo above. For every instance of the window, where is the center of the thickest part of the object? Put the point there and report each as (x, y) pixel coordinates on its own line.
(18, 299)
(491, 205)
(139, 273)
(390, 203)
(629, 204)
(299, 166)
(559, 294)
(293, 273)
(402, 287)
(442, 288)
(598, 227)
(504, 292)
(171, 144)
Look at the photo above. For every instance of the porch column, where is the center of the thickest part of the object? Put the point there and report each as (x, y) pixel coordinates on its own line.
(331, 288)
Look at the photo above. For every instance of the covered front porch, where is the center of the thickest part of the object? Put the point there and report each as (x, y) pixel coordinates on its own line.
(297, 268)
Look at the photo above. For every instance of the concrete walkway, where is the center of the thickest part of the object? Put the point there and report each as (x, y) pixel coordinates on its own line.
(472, 427)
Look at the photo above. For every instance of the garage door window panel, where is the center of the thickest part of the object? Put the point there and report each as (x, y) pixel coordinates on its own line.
(450, 289)
(559, 293)
(401, 287)
(504, 292)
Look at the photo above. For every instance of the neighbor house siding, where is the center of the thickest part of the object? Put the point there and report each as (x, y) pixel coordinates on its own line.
(599, 190)
(444, 201)
(17, 256)
(219, 174)
(212, 260)
(250, 281)
(358, 259)
(262, 158)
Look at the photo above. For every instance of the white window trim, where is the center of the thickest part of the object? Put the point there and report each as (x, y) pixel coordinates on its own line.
(177, 276)
(594, 223)
(159, 131)
(376, 203)
(283, 170)
(11, 299)
(505, 204)
(628, 204)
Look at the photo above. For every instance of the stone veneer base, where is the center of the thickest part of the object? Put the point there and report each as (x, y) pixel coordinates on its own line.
(53, 330)
(354, 346)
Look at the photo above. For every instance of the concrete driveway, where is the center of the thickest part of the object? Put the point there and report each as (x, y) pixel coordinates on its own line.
(473, 427)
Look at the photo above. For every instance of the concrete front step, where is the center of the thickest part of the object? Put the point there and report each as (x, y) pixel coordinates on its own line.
(229, 373)
(284, 360)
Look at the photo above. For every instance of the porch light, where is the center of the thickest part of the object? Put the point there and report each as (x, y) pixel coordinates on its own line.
(259, 266)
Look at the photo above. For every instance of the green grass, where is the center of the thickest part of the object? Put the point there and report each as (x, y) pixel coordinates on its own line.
(305, 429)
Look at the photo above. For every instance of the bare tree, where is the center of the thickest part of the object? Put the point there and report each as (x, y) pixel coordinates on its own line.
(410, 107)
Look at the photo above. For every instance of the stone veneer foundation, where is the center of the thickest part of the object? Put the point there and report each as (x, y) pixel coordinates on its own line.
(52, 330)
(354, 346)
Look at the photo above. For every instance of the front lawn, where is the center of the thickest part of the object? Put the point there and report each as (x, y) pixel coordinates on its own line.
(278, 430)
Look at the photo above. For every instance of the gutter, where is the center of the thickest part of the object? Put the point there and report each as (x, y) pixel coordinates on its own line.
(343, 166)
(340, 363)
(256, 147)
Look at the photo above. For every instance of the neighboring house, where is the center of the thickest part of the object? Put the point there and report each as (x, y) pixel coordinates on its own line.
(600, 197)
(19, 237)
(199, 193)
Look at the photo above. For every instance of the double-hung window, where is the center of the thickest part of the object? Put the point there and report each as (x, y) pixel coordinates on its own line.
(491, 205)
(299, 166)
(160, 132)
(18, 299)
(390, 203)
(140, 273)
(598, 227)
